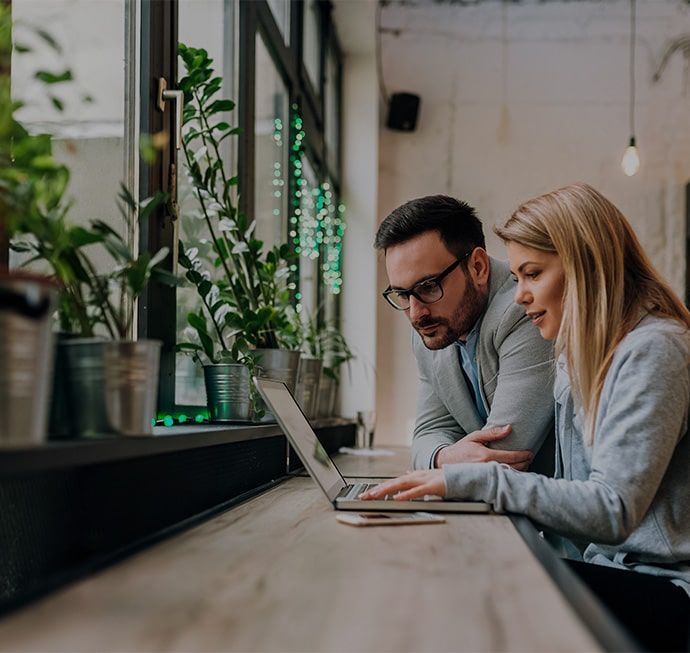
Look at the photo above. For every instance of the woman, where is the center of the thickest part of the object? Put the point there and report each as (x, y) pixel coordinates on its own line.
(622, 391)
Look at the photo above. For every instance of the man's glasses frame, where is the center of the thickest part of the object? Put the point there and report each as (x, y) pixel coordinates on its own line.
(432, 287)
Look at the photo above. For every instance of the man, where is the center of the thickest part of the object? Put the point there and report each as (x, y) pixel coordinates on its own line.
(482, 365)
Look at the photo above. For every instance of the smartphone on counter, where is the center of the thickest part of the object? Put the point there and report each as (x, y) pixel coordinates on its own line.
(388, 518)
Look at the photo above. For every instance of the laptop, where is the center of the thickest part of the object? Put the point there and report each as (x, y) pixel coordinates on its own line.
(322, 469)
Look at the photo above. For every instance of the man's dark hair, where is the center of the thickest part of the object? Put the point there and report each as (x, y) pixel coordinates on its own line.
(456, 222)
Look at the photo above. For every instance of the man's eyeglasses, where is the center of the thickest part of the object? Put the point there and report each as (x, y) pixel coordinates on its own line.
(427, 291)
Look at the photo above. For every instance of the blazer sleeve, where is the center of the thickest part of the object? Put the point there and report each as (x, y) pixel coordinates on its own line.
(435, 425)
(522, 388)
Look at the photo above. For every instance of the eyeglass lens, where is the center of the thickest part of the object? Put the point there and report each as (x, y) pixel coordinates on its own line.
(427, 292)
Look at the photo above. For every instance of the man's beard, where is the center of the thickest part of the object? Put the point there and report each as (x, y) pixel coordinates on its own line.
(459, 324)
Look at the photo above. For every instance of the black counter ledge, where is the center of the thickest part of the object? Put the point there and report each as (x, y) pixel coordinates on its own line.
(54, 454)
(72, 506)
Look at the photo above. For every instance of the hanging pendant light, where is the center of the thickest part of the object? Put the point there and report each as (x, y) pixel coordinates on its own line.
(631, 158)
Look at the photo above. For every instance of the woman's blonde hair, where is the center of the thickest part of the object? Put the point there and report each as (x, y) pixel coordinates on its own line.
(609, 281)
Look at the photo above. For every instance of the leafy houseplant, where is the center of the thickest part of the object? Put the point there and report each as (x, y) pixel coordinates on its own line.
(92, 300)
(34, 207)
(111, 380)
(243, 285)
(249, 304)
(325, 342)
(335, 353)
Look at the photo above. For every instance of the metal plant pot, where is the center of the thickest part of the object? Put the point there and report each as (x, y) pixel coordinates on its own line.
(131, 385)
(280, 365)
(307, 389)
(228, 396)
(111, 387)
(60, 422)
(26, 357)
(328, 389)
(84, 387)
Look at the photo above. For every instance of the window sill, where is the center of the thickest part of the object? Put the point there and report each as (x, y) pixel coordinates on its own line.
(56, 454)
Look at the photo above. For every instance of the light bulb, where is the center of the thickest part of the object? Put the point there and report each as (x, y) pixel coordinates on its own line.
(631, 159)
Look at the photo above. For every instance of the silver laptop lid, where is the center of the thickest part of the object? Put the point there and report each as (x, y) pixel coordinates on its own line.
(301, 435)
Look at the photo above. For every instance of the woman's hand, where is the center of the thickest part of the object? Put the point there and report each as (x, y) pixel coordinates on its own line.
(410, 486)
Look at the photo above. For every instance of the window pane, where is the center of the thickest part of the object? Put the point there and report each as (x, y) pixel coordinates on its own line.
(332, 96)
(89, 131)
(281, 12)
(207, 24)
(312, 43)
(271, 133)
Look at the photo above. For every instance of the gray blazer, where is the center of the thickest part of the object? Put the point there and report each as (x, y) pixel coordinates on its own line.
(516, 374)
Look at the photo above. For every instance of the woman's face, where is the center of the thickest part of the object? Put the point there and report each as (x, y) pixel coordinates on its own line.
(541, 286)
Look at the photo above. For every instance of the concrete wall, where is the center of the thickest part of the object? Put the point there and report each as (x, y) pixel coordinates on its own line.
(518, 99)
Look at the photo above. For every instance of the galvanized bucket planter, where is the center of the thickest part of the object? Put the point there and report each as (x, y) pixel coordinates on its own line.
(131, 385)
(84, 388)
(228, 395)
(280, 365)
(328, 390)
(307, 389)
(26, 357)
(61, 423)
(111, 387)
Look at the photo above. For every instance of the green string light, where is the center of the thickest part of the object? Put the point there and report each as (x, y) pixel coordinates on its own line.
(316, 224)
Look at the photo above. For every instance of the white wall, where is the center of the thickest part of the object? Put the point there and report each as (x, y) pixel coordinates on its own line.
(361, 119)
(516, 100)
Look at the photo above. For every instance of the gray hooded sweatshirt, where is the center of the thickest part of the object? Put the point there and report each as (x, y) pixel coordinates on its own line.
(625, 500)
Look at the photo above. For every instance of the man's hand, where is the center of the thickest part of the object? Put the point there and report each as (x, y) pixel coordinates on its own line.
(472, 449)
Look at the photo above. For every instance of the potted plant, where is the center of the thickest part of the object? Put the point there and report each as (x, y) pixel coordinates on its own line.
(246, 316)
(29, 178)
(335, 353)
(324, 351)
(34, 207)
(111, 379)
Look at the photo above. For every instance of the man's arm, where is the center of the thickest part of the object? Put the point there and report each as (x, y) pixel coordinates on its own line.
(523, 395)
(435, 427)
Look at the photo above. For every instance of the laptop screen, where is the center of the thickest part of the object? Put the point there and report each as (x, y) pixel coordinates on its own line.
(301, 435)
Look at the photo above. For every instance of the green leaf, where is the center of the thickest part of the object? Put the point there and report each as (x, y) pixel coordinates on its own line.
(165, 277)
(204, 286)
(79, 236)
(197, 321)
(221, 105)
(188, 346)
(47, 38)
(53, 78)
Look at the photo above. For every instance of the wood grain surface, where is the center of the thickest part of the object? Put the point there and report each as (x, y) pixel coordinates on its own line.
(279, 573)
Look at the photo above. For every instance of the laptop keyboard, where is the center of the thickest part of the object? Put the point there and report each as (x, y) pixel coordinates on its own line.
(353, 490)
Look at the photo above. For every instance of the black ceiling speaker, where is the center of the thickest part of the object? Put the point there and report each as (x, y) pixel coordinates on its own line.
(402, 112)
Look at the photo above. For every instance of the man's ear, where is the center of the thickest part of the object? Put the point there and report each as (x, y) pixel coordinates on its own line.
(478, 267)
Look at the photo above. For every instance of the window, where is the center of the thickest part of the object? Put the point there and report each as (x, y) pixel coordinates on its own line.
(277, 58)
(281, 13)
(311, 43)
(271, 149)
(207, 24)
(87, 116)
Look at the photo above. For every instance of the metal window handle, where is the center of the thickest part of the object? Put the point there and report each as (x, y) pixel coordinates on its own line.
(178, 96)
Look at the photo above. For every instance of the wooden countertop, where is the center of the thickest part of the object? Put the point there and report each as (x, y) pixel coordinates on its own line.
(278, 573)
